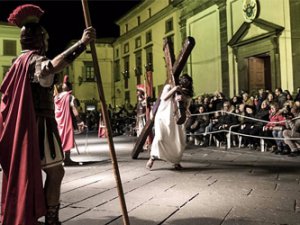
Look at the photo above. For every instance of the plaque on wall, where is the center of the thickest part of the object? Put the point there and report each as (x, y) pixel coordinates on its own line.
(250, 10)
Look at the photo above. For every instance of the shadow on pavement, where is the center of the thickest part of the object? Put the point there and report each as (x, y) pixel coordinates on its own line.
(187, 221)
(255, 168)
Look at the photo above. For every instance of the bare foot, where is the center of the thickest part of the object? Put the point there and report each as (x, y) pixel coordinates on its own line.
(177, 166)
(149, 164)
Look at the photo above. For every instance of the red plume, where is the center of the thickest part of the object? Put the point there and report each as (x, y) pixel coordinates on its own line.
(140, 87)
(23, 14)
(66, 78)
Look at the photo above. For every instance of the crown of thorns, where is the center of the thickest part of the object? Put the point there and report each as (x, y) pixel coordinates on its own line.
(23, 14)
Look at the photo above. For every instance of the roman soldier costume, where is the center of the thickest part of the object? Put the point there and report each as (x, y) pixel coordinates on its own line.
(29, 139)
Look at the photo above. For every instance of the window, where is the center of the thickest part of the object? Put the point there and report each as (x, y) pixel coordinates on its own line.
(138, 42)
(149, 12)
(149, 57)
(126, 74)
(127, 97)
(9, 47)
(138, 20)
(148, 36)
(88, 72)
(117, 53)
(117, 72)
(126, 28)
(169, 25)
(138, 66)
(138, 63)
(126, 83)
(126, 48)
(171, 41)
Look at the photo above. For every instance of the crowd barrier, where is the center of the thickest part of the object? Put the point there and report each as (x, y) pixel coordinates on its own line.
(240, 135)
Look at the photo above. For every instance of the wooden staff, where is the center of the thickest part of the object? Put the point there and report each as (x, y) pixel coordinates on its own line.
(88, 23)
(149, 95)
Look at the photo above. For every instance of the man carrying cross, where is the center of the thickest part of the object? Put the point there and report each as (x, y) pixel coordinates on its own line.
(174, 69)
(169, 140)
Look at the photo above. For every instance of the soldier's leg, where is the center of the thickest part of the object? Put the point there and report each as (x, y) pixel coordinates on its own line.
(54, 176)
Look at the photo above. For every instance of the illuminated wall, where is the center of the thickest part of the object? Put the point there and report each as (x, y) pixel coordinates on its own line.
(9, 36)
(85, 87)
(205, 66)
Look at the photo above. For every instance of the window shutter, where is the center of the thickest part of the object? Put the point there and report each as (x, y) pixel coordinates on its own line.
(83, 73)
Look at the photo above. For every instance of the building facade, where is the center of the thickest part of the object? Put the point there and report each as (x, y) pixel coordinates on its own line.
(140, 45)
(240, 45)
(10, 46)
(82, 75)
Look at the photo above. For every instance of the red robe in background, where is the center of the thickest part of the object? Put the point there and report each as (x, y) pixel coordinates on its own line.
(64, 119)
(102, 128)
(23, 200)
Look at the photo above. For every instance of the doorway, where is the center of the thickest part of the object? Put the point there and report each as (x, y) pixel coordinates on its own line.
(259, 72)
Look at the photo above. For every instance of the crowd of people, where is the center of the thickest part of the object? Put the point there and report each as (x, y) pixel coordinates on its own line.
(269, 115)
(272, 116)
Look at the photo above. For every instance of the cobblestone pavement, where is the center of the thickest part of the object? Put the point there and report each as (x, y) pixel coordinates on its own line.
(215, 187)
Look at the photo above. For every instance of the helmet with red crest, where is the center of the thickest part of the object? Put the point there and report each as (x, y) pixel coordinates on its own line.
(140, 87)
(33, 35)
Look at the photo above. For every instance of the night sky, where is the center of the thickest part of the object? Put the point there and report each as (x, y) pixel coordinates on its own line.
(64, 19)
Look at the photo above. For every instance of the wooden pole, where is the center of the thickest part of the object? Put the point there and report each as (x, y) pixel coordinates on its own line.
(88, 23)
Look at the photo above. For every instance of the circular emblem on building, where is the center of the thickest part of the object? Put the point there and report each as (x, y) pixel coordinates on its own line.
(250, 10)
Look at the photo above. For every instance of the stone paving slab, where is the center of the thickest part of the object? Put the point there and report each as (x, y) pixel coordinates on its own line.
(203, 209)
(94, 217)
(78, 196)
(264, 215)
(98, 199)
(215, 187)
(149, 214)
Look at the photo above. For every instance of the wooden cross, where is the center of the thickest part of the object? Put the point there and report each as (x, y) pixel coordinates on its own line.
(174, 70)
(149, 96)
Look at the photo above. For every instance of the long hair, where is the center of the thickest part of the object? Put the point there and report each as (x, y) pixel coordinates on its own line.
(186, 82)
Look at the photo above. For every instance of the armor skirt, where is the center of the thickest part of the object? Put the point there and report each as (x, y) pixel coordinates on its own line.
(49, 142)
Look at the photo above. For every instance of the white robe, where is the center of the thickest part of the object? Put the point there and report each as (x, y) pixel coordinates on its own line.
(169, 140)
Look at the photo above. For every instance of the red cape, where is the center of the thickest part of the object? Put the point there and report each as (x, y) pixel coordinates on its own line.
(102, 129)
(64, 120)
(22, 200)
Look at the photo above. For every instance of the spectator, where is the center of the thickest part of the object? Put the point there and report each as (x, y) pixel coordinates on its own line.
(270, 98)
(297, 97)
(276, 126)
(247, 100)
(225, 121)
(202, 121)
(280, 97)
(257, 127)
(248, 123)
